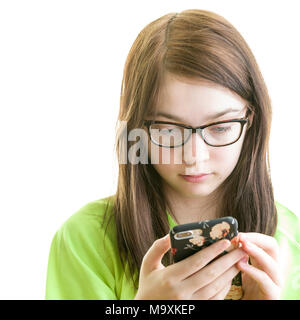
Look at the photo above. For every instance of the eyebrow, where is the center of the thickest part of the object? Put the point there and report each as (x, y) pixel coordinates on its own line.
(213, 116)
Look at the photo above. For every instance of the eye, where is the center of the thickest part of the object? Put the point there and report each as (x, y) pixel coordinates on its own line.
(166, 131)
(220, 129)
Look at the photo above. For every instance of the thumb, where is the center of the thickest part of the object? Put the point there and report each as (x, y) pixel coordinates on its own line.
(153, 257)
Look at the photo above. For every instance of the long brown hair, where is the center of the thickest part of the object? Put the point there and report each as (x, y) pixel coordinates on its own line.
(196, 44)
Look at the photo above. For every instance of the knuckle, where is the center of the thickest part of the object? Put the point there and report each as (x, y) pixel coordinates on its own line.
(168, 283)
(173, 288)
(198, 262)
(156, 243)
(211, 273)
(213, 289)
(217, 286)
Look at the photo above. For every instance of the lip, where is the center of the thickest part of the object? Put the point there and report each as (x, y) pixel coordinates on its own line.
(196, 178)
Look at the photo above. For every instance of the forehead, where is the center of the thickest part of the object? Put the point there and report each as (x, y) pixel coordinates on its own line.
(193, 99)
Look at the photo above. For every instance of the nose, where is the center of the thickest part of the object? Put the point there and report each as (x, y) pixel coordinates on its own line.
(195, 150)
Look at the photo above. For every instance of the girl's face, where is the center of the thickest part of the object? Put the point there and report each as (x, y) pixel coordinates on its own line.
(196, 103)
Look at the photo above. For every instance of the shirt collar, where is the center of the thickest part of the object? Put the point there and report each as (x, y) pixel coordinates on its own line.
(172, 223)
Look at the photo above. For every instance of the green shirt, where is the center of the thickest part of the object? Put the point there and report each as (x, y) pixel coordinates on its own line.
(83, 264)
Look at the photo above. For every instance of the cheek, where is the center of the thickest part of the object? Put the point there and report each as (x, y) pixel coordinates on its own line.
(226, 158)
(162, 160)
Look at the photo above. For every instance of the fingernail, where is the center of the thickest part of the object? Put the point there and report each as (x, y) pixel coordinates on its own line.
(244, 259)
(224, 243)
(235, 241)
(247, 244)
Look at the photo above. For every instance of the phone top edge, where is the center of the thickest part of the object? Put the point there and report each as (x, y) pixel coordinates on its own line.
(187, 226)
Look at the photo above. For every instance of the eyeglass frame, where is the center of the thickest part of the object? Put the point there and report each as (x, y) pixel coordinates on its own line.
(243, 121)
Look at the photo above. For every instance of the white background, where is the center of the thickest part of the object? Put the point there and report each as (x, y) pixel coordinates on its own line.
(61, 65)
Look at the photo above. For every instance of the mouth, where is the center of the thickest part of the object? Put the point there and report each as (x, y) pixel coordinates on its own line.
(196, 177)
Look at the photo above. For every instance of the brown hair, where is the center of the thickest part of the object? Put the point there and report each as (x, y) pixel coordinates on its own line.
(195, 44)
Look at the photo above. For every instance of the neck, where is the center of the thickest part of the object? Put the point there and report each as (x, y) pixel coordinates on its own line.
(185, 209)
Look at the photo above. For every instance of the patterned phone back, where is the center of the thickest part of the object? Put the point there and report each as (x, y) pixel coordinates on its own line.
(189, 238)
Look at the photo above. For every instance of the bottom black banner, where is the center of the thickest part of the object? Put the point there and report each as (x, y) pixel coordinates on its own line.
(147, 309)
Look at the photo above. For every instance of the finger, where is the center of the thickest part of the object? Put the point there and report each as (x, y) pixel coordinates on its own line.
(265, 283)
(223, 293)
(214, 270)
(153, 257)
(267, 243)
(266, 262)
(197, 261)
(216, 285)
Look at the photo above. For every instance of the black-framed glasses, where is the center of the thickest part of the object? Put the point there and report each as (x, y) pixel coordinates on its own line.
(217, 134)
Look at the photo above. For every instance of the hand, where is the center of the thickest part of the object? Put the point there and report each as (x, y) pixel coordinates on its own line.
(190, 279)
(262, 279)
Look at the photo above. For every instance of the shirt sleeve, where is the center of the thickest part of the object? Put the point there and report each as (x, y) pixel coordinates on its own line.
(78, 267)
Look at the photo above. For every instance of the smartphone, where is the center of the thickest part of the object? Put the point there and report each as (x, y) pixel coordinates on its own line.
(187, 239)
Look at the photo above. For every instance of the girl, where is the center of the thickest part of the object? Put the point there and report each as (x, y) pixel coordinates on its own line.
(185, 70)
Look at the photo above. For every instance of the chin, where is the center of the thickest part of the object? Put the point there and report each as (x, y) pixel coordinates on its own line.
(194, 191)
(199, 194)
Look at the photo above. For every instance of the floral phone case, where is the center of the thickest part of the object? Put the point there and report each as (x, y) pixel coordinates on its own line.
(187, 239)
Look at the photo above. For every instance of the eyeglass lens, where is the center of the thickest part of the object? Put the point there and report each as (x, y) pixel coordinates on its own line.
(169, 135)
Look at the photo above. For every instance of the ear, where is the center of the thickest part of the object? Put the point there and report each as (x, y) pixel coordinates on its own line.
(250, 118)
